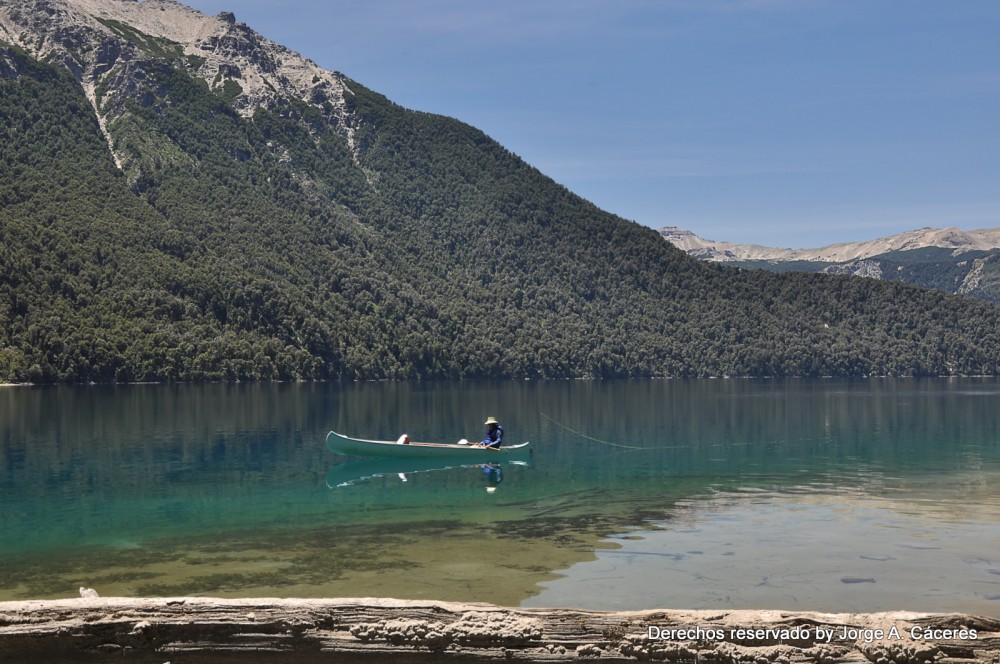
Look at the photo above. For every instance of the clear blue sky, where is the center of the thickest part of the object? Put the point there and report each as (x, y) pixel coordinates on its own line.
(793, 123)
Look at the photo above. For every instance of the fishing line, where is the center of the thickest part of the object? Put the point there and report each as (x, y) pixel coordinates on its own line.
(596, 440)
(633, 447)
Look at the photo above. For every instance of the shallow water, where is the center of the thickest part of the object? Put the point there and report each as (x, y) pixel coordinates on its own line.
(817, 551)
(802, 494)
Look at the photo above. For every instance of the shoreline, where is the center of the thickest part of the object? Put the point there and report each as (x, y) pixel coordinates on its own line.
(595, 379)
(201, 630)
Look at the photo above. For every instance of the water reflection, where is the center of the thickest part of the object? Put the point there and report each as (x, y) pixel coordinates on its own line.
(354, 472)
(229, 489)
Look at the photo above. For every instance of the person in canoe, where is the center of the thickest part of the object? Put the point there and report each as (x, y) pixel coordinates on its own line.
(494, 434)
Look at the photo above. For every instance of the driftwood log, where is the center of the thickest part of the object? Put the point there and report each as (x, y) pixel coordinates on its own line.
(202, 630)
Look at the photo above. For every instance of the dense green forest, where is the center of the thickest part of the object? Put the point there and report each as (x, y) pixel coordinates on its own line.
(233, 248)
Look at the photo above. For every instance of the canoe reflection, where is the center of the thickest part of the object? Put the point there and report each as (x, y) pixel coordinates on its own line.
(346, 474)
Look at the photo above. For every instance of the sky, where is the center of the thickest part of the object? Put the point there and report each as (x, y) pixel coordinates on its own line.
(787, 123)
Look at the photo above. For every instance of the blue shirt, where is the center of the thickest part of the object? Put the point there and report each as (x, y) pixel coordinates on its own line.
(494, 437)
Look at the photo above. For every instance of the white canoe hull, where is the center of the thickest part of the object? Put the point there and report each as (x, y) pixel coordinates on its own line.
(384, 448)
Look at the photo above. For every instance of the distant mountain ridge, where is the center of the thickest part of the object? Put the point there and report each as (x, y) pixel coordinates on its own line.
(947, 259)
(183, 199)
(947, 238)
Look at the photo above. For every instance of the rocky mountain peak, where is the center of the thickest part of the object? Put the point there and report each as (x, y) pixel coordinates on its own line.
(109, 44)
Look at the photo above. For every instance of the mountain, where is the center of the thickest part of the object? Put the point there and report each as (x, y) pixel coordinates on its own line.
(957, 240)
(183, 199)
(948, 259)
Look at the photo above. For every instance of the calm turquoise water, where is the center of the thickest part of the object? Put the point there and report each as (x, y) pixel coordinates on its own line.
(802, 494)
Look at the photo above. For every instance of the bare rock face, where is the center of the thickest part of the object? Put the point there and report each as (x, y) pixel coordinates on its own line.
(863, 268)
(114, 47)
(388, 630)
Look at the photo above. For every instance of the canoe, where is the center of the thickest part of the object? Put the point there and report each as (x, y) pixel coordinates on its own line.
(389, 448)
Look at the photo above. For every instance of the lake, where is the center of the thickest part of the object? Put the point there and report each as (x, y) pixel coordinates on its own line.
(832, 495)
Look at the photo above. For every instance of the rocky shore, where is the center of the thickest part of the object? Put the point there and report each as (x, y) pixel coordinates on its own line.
(205, 630)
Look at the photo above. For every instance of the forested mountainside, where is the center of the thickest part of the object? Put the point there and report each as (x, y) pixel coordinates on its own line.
(973, 273)
(183, 211)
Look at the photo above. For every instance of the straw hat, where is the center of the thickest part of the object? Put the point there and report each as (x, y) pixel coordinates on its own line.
(491, 420)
